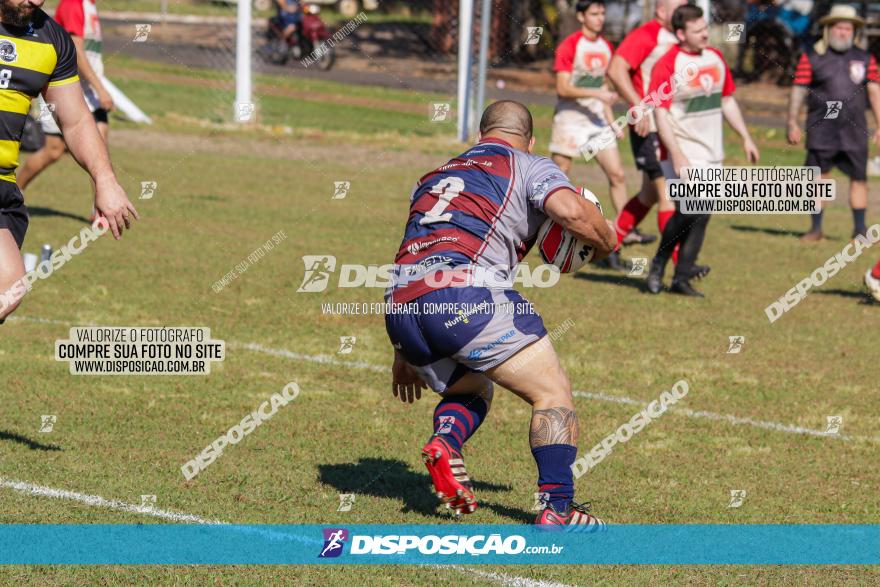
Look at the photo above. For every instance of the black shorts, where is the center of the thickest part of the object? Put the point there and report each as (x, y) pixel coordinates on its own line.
(646, 152)
(101, 116)
(853, 164)
(13, 213)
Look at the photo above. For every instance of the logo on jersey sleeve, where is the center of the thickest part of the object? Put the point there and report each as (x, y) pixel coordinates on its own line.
(8, 51)
(540, 188)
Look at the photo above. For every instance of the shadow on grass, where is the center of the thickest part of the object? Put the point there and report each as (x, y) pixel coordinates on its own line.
(765, 230)
(40, 211)
(613, 278)
(393, 479)
(778, 232)
(848, 293)
(31, 444)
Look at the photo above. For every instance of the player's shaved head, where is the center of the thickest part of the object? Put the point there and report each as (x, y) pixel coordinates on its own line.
(506, 117)
(665, 8)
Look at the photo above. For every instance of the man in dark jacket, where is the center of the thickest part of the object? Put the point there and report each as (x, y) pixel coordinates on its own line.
(837, 79)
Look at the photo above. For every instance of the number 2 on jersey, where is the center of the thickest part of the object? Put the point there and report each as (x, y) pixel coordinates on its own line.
(446, 189)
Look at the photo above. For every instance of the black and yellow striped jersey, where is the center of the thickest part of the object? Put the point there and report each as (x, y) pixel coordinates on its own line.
(31, 58)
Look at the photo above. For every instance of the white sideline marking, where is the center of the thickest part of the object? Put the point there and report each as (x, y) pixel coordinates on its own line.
(505, 579)
(735, 420)
(729, 418)
(325, 359)
(98, 501)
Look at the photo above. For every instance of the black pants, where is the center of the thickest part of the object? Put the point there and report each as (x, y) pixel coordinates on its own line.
(688, 230)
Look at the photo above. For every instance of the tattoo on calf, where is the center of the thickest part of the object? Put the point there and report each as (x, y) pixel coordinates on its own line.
(553, 426)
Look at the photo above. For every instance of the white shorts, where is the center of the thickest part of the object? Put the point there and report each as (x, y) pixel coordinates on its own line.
(669, 173)
(572, 129)
(47, 119)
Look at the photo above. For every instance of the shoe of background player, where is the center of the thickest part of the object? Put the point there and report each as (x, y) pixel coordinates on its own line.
(451, 483)
(614, 262)
(576, 519)
(813, 236)
(856, 233)
(699, 271)
(655, 276)
(683, 286)
(637, 237)
(873, 285)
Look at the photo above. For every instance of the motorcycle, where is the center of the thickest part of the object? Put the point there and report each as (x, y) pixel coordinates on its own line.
(307, 42)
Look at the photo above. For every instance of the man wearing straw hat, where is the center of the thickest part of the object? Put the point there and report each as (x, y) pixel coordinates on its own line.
(837, 78)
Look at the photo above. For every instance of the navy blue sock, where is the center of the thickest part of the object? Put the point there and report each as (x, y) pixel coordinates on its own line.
(457, 417)
(816, 219)
(555, 477)
(859, 225)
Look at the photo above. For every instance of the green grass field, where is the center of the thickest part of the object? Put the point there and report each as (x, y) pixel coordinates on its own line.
(221, 193)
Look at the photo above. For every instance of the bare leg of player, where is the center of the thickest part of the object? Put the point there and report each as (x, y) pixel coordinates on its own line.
(11, 272)
(858, 194)
(562, 161)
(649, 193)
(472, 384)
(610, 162)
(535, 375)
(665, 204)
(815, 233)
(634, 211)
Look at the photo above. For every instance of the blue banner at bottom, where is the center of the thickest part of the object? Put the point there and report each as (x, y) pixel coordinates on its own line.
(158, 544)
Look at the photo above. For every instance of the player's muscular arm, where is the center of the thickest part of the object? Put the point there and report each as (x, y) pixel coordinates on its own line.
(874, 97)
(618, 73)
(582, 219)
(798, 95)
(87, 73)
(88, 148)
(565, 89)
(733, 115)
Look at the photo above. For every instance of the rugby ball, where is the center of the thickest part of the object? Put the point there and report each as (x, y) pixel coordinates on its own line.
(560, 248)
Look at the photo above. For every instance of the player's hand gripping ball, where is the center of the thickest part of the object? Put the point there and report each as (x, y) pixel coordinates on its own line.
(560, 248)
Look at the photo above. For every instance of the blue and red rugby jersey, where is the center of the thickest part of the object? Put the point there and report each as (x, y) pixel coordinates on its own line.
(482, 209)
